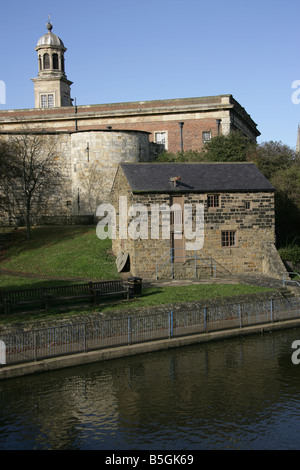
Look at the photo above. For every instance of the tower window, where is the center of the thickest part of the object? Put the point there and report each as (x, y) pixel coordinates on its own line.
(55, 61)
(46, 60)
(50, 101)
(47, 101)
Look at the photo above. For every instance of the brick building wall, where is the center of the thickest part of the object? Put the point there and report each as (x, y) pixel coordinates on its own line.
(213, 115)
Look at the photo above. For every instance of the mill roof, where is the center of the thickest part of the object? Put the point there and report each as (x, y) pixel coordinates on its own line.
(195, 177)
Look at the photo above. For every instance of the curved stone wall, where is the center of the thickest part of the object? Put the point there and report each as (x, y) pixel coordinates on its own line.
(95, 156)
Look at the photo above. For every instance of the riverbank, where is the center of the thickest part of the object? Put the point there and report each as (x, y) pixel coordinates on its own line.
(51, 364)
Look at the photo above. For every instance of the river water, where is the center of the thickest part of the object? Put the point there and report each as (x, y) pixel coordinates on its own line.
(242, 393)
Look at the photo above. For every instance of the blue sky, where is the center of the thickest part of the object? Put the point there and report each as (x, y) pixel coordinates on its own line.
(130, 50)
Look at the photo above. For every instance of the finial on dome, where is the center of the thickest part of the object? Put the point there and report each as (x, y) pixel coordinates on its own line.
(49, 24)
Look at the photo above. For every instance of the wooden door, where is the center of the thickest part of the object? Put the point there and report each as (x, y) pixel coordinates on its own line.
(178, 242)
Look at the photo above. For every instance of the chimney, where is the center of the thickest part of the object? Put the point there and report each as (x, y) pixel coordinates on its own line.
(175, 179)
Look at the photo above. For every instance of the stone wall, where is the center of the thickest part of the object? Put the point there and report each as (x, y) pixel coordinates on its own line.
(253, 224)
(87, 163)
(95, 157)
(273, 265)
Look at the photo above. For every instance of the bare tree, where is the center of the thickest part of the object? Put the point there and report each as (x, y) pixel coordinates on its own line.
(31, 172)
(91, 183)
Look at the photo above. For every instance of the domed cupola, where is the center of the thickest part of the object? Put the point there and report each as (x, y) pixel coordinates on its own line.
(52, 88)
(50, 39)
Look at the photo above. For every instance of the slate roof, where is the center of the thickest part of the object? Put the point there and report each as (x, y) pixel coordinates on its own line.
(195, 177)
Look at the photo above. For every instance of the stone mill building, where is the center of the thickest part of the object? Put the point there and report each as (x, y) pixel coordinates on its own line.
(236, 222)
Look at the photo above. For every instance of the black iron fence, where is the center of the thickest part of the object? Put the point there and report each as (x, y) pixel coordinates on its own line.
(34, 345)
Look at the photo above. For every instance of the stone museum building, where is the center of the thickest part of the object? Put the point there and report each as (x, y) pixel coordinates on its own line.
(93, 139)
(107, 150)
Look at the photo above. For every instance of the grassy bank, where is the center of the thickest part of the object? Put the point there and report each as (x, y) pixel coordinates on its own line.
(76, 252)
(70, 252)
(151, 297)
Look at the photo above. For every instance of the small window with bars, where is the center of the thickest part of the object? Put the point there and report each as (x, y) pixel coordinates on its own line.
(47, 101)
(161, 138)
(213, 200)
(247, 205)
(206, 136)
(229, 238)
(50, 101)
(44, 101)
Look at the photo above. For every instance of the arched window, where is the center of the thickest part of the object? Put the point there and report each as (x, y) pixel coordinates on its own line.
(40, 63)
(62, 63)
(46, 60)
(55, 61)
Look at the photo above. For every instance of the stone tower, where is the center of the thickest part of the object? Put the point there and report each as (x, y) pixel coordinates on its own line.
(51, 86)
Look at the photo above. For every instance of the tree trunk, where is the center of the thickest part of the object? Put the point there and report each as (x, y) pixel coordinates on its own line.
(28, 220)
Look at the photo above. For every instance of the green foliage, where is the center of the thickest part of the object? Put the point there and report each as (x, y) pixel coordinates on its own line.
(230, 148)
(290, 253)
(277, 161)
(179, 157)
(271, 157)
(234, 147)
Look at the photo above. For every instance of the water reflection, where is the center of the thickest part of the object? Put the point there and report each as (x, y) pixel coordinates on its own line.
(234, 394)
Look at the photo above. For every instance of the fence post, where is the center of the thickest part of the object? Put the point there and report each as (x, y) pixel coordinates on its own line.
(34, 345)
(271, 311)
(171, 331)
(84, 337)
(240, 316)
(205, 321)
(129, 330)
(2, 353)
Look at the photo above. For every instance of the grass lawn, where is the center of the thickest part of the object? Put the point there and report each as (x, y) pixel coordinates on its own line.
(188, 293)
(76, 252)
(151, 297)
(69, 251)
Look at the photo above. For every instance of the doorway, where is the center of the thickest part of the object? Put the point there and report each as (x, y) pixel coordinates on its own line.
(177, 235)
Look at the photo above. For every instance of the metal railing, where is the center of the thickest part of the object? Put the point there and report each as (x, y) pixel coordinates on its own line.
(34, 345)
(286, 278)
(169, 257)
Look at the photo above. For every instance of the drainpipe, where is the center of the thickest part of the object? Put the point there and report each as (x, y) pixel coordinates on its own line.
(181, 139)
(75, 112)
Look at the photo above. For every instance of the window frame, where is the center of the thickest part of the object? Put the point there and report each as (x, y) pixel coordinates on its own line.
(215, 198)
(203, 137)
(166, 139)
(228, 238)
(55, 61)
(46, 61)
(45, 97)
